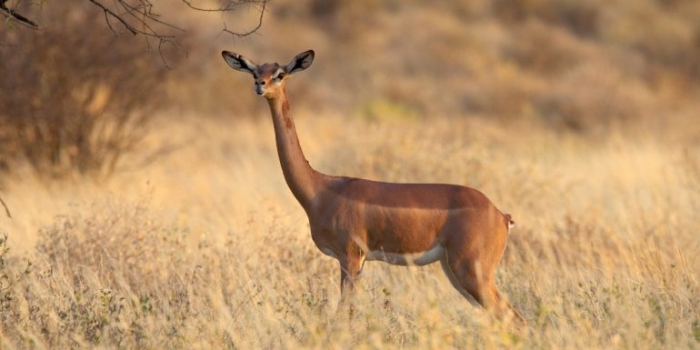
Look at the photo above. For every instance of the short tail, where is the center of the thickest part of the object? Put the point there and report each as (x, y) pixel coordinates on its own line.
(509, 221)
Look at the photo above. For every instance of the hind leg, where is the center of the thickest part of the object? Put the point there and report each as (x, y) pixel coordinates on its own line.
(456, 283)
(469, 279)
(504, 307)
(476, 283)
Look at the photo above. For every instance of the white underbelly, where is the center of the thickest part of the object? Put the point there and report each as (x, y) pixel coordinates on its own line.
(422, 258)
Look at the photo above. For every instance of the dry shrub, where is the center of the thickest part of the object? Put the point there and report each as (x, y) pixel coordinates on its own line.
(544, 50)
(102, 277)
(10, 276)
(602, 255)
(105, 273)
(664, 33)
(115, 241)
(76, 97)
(570, 65)
(580, 17)
(347, 19)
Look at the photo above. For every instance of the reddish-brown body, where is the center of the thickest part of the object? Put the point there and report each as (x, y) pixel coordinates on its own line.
(354, 220)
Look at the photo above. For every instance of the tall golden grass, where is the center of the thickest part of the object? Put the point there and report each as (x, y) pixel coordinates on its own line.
(207, 248)
(204, 246)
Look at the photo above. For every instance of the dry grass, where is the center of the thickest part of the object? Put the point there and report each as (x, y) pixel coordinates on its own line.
(202, 251)
(573, 127)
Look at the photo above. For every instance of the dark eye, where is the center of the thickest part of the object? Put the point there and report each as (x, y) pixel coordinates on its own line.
(280, 76)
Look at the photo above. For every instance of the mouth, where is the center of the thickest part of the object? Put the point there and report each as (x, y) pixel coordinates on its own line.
(259, 90)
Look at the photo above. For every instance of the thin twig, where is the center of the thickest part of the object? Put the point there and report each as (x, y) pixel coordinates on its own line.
(228, 7)
(260, 20)
(7, 210)
(147, 15)
(118, 17)
(109, 24)
(160, 50)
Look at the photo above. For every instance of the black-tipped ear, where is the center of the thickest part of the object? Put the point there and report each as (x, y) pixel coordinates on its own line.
(301, 62)
(239, 62)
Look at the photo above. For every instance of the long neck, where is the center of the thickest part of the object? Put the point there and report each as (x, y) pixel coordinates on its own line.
(304, 181)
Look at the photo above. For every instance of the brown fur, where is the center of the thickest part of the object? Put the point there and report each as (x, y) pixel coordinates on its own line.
(351, 217)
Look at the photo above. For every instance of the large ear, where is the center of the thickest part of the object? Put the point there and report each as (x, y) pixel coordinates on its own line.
(239, 62)
(301, 62)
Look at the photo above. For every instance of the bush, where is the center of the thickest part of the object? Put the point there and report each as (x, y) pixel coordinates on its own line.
(75, 96)
(102, 277)
(580, 17)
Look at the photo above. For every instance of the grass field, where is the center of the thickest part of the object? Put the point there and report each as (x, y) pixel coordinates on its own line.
(207, 248)
(196, 242)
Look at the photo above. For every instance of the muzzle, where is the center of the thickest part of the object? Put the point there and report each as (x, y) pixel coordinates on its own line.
(259, 89)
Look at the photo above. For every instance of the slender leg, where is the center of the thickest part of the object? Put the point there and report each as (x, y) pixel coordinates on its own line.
(470, 280)
(477, 287)
(455, 283)
(505, 307)
(350, 266)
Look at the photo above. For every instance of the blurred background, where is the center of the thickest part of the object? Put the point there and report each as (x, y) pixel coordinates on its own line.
(76, 97)
(144, 185)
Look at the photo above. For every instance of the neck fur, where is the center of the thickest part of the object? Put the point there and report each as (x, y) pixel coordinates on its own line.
(303, 181)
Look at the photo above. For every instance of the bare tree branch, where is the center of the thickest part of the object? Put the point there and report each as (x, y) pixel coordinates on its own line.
(11, 15)
(146, 15)
(110, 13)
(244, 34)
(138, 17)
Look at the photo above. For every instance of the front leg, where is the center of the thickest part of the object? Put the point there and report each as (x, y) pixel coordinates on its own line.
(350, 269)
